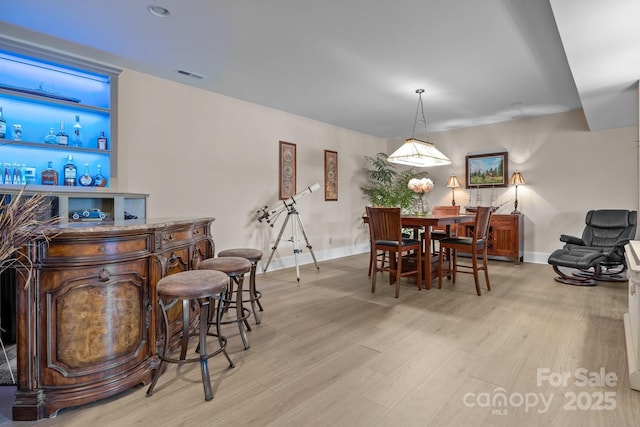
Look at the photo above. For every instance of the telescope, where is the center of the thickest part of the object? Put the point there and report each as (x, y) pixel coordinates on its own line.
(283, 205)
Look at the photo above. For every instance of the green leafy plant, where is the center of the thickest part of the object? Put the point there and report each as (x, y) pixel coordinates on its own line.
(387, 186)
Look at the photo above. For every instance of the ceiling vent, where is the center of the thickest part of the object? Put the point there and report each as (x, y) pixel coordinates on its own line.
(190, 74)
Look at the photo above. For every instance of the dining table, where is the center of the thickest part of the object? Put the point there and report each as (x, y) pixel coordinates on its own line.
(426, 223)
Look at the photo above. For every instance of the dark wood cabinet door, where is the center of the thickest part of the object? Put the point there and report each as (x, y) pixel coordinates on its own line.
(504, 235)
(93, 323)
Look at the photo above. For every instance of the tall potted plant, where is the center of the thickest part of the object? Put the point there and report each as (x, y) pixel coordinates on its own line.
(387, 186)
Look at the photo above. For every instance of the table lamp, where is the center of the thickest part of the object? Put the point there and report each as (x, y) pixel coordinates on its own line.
(453, 183)
(516, 179)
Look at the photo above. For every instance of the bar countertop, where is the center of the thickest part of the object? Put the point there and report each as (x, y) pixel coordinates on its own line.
(132, 224)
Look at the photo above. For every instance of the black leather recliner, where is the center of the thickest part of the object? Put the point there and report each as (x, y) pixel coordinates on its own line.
(599, 253)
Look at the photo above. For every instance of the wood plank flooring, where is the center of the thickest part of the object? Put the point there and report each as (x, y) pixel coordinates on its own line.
(330, 353)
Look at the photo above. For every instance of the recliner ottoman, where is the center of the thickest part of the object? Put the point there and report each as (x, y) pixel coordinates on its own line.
(579, 260)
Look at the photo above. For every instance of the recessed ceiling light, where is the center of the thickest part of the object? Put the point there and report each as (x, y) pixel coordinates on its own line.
(159, 11)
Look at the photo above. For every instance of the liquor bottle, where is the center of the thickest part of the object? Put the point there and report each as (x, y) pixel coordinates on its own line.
(102, 141)
(76, 138)
(8, 177)
(70, 172)
(17, 132)
(85, 179)
(49, 176)
(17, 180)
(3, 125)
(63, 138)
(23, 174)
(51, 138)
(100, 180)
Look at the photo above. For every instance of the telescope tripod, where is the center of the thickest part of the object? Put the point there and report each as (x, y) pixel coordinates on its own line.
(296, 226)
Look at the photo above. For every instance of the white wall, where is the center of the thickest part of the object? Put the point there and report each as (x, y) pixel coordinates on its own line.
(568, 170)
(202, 154)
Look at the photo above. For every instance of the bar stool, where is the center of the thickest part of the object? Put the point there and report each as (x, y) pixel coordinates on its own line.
(235, 268)
(203, 286)
(253, 255)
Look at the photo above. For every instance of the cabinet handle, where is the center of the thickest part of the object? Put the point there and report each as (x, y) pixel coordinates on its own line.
(171, 236)
(632, 289)
(197, 231)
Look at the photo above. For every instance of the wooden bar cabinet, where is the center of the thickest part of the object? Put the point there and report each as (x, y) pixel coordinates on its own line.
(87, 316)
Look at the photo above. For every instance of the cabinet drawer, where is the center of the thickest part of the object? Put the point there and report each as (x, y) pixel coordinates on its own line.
(504, 220)
(173, 237)
(182, 235)
(78, 250)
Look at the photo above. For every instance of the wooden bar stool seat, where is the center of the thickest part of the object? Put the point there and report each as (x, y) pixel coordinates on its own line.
(235, 268)
(205, 287)
(253, 255)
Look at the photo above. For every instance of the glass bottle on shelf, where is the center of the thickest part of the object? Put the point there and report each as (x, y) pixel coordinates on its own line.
(70, 172)
(17, 132)
(63, 138)
(102, 141)
(51, 138)
(100, 180)
(76, 138)
(49, 176)
(3, 125)
(8, 177)
(86, 180)
(17, 180)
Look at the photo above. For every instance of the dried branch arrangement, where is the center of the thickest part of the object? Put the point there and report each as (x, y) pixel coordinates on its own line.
(22, 219)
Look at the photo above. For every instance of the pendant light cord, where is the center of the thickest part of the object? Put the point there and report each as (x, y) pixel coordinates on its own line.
(419, 108)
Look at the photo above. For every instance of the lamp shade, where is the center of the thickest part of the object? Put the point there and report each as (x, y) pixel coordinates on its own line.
(453, 182)
(419, 154)
(516, 178)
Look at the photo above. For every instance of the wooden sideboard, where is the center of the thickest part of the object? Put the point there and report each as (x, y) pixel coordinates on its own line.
(506, 236)
(87, 317)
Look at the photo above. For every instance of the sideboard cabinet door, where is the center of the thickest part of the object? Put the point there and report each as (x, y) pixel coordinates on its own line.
(506, 233)
(93, 322)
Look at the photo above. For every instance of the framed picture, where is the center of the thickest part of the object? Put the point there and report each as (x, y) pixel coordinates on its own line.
(287, 170)
(330, 175)
(487, 170)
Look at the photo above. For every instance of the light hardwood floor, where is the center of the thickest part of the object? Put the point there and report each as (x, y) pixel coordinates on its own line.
(331, 353)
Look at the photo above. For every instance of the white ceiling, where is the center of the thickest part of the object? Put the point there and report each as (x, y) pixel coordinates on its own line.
(357, 63)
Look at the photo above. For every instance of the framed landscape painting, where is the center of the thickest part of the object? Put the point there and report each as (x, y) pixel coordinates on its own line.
(486, 170)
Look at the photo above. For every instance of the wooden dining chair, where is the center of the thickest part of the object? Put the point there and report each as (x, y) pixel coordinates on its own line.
(476, 245)
(440, 232)
(375, 256)
(386, 228)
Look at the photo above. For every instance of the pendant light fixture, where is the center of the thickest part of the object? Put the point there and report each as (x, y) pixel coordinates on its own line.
(415, 152)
